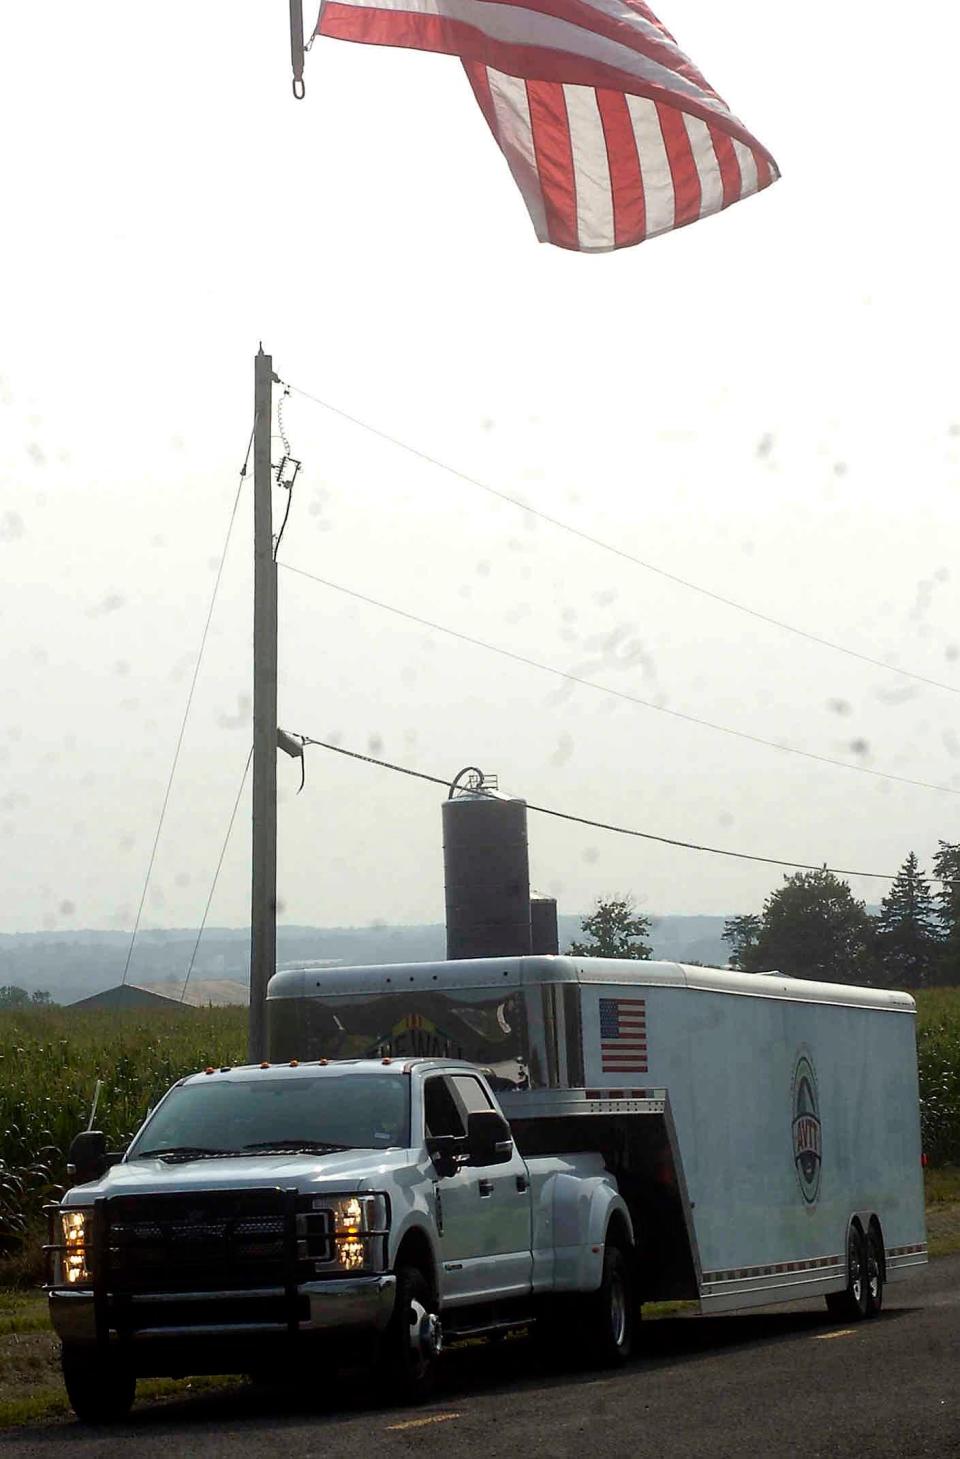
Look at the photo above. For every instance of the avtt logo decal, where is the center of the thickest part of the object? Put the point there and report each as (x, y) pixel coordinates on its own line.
(807, 1141)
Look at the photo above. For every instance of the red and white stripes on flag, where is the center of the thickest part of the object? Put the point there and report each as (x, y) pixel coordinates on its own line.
(623, 1035)
(611, 133)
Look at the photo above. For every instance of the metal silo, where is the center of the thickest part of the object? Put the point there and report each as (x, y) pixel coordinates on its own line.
(486, 870)
(544, 933)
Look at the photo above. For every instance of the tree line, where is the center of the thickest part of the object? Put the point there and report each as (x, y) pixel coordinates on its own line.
(13, 997)
(814, 927)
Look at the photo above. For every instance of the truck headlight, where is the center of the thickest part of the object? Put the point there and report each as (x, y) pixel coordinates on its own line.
(75, 1235)
(359, 1224)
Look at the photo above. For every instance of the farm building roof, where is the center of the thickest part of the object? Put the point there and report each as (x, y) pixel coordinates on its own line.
(127, 995)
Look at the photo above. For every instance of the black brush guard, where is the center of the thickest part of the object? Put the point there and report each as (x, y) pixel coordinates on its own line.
(227, 1260)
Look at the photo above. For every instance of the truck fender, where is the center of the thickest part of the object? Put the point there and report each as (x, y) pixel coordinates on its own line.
(418, 1242)
(584, 1212)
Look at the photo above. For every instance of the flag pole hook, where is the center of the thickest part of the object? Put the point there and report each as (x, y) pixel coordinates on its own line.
(296, 48)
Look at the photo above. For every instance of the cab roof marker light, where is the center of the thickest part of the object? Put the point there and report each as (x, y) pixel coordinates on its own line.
(265, 1064)
(209, 1069)
(294, 1063)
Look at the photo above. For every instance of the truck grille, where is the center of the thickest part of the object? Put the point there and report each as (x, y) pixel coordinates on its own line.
(212, 1241)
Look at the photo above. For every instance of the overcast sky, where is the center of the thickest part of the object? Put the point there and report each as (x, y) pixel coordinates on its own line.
(764, 403)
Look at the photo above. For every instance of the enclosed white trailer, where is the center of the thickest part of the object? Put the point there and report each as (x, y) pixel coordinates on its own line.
(763, 1130)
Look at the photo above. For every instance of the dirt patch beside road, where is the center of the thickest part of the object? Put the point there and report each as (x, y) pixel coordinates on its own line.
(943, 1228)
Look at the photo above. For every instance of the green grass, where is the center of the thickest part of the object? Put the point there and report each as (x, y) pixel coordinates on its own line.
(653, 1311)
(31, 1389)
(942, 1185)
(33, 1407)
(50, 1400)
(943, 1210)
(23, 1312)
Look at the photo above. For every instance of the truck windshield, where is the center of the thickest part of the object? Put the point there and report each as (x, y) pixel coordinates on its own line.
(249, 1116)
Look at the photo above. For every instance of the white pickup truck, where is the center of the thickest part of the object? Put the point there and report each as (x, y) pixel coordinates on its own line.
(381, 1204)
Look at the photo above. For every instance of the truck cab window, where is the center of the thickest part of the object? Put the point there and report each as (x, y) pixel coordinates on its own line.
(472, 1094)
(441, 1115)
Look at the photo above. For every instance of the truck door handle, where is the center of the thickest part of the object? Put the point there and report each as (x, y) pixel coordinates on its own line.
(485, 1188)
(522, 1184)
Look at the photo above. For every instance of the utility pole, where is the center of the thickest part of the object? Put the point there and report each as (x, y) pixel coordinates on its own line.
(263, 900)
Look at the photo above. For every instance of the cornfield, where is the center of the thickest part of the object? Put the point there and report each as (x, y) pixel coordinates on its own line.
(938, 1049)
(50, 1061)
(51, 1058)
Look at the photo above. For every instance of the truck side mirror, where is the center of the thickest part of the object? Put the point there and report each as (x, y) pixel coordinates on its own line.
(446, 1152)
(488, 1138)
(87, 1156)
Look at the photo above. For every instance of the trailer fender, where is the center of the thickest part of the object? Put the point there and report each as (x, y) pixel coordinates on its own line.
(585, 1213)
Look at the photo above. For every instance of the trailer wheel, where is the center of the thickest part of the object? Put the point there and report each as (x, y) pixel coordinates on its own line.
(100, 1391)
(607, 1315)
(874, 1271)
(411, 1344)
(851, 1305)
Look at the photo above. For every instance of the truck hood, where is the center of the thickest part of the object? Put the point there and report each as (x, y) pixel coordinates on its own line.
(346, 1171)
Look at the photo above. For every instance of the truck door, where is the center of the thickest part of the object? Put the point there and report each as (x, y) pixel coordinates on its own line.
(485, 1211)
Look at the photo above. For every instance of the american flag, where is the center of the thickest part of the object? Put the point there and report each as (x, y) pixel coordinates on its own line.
(610, 131)
(623, 1036)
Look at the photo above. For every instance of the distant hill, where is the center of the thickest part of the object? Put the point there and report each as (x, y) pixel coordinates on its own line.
(73, 965)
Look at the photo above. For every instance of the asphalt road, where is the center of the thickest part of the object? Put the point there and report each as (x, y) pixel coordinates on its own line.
(780, 1382)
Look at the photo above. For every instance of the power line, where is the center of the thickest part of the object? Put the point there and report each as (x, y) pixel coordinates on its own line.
(616, 693)
(620, 552)
(601, 825)
(216, 875)
(186, 712)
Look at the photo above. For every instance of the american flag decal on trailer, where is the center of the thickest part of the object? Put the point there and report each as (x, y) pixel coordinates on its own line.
(623, 1036)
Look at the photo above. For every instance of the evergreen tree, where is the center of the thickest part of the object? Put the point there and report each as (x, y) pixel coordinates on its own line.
(617, 931)
(946, 868)
(742, 933)
(814, 927)
(907, 942)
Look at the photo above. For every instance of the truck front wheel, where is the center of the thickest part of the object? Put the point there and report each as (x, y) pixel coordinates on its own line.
(100, 1390)
(608, 1313)
(412, 1341)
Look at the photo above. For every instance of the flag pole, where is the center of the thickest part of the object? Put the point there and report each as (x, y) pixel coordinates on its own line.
(296, 48)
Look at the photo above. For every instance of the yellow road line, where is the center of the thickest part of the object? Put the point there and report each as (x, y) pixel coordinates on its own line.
(826, 1336)
(420, 1423)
